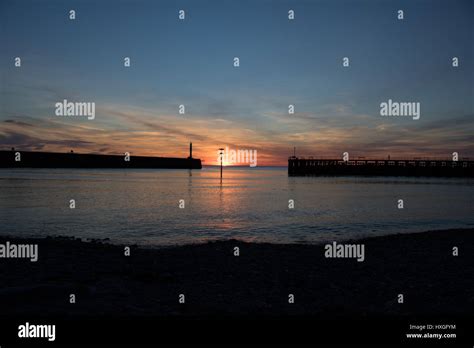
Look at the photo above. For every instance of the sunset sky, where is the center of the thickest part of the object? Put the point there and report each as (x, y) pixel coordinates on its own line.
(282, 62)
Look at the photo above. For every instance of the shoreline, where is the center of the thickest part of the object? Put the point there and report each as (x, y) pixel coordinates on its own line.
(151, 246)
(258, 282)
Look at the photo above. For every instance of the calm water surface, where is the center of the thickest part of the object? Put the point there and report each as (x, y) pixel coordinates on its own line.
(141, 206)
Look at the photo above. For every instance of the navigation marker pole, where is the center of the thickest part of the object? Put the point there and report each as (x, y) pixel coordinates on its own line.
(221, 153)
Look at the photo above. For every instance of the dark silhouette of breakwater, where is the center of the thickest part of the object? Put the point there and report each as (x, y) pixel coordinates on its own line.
(375, 167)
(28, 159)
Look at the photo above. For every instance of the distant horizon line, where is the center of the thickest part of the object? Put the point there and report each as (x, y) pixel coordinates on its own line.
(306, 157)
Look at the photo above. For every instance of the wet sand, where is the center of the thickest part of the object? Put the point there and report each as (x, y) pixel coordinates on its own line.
(216, 283)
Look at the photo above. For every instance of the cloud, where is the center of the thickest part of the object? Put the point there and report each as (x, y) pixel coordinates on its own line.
(141, 131)
(20, 123)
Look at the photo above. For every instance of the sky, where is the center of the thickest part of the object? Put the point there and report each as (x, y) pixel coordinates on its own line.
(282, 62)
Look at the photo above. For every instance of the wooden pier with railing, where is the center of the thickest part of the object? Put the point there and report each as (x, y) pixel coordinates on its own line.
(308, 166)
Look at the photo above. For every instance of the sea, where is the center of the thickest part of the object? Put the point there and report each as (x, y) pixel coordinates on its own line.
(160, 208)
